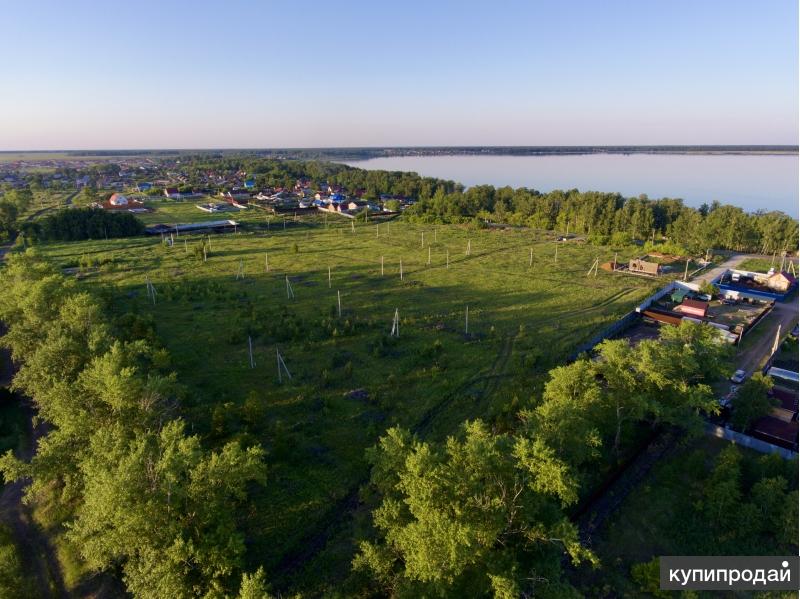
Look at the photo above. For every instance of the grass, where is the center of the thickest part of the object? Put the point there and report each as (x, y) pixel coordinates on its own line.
(762, 265)
(523, 320)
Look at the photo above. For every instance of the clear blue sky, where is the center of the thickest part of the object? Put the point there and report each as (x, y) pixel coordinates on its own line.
(262, 74)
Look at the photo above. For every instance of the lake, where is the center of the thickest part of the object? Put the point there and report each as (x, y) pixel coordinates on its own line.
(753, 182)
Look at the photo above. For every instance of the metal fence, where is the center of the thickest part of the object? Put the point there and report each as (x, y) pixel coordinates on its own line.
(747, 441)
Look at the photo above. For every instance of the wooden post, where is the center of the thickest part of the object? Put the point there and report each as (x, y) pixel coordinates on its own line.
(615, 261)
(329, 276)
(429, 255)
(556, 258)
(686, 271)
(530, 263)
(422, 240)
(250, 345)
(353, 225)
(266, 262)
(377, 234)
(401, 269)
(469, 247)
(448, 259)
(339, 302)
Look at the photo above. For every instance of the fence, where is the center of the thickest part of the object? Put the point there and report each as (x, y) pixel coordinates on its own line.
(757, 319)
(750, 442)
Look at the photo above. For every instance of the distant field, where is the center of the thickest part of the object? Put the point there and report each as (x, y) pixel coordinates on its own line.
(37, 156)
(523, 320)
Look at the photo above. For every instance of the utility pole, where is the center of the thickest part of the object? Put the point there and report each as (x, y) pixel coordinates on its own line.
(686, 272)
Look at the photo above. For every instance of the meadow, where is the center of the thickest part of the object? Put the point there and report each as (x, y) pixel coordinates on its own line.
(528, 309)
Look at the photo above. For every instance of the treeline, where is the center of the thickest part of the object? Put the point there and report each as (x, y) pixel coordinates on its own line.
(83, 223)
(486, 512)
(140, 495)
(600, 215)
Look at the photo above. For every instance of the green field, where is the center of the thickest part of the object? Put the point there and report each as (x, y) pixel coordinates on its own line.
(523, 320)
(763, 265)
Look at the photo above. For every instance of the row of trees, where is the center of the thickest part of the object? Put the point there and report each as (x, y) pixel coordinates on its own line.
(485, 512)
(142, 496)
(604, 214)
(83, 223)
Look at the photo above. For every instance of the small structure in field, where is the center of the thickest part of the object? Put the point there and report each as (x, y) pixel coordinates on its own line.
(644, 267)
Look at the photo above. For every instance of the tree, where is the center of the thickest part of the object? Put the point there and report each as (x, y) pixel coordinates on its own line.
(164, 509)
(8, 217)
(566, 420)
(752, 401)
(677, 370)
(136, 491)
(623, 395)
(478, 514)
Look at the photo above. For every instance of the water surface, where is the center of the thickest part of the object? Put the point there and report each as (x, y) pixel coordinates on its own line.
(760, 182)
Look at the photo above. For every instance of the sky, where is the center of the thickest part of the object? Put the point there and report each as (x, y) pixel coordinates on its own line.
(171, 74)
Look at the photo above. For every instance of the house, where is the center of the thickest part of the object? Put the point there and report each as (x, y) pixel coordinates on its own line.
(644, 267)
(119, 202)
(356, 205)
(780, 281)
(144, 186)
(118, 199)
(693, 307)
(172, 192)
(250, 183)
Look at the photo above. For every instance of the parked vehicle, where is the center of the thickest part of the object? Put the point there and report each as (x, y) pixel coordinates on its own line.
(738, 377)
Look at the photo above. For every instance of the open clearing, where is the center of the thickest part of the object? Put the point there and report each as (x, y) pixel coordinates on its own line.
(350, 379)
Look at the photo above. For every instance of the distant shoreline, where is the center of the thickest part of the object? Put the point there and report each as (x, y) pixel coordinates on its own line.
(366, 153)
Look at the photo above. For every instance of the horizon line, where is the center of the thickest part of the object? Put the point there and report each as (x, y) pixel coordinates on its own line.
(794, 147)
